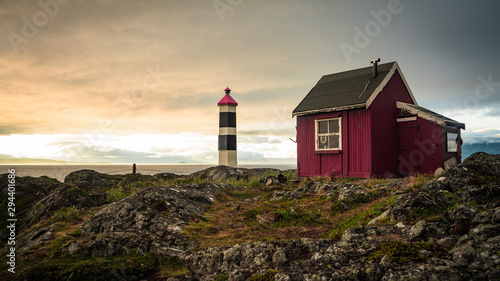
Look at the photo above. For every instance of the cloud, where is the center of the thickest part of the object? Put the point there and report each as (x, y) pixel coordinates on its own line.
(493, 111)
(481, 136)
(105, 70)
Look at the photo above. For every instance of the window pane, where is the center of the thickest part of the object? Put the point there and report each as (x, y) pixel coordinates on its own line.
(334, 141)
(334, 126)
(323, 127)
(452, 142)
(323, 142)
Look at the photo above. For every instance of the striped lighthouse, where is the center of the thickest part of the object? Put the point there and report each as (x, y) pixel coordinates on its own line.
(227, 130)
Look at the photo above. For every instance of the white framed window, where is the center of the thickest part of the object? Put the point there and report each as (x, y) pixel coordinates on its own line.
(329, 134)
(451, 142)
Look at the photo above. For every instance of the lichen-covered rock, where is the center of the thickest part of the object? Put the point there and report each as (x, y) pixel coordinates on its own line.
(225, 172)
(341, 191)
(35, 237)
(63, 196)
(483, 162)
(149, 220)
(427, 198)
(29, 190)
(89, 179)
(484, 194)
(166, 176)
(353, 192)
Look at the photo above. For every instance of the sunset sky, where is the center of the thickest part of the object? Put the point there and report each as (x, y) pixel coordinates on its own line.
(139, 81)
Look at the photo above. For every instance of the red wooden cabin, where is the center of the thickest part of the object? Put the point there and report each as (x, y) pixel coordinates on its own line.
(367, 123)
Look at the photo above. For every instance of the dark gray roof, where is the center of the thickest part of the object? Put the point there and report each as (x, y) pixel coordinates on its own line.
(344, 90)
(429, 115)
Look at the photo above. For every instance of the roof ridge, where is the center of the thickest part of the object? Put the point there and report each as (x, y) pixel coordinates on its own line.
(361, 68)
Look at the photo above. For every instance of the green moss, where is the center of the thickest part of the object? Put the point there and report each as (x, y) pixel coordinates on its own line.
(74, 193)
(220, 278)
(297, 218)
(483, 177)
(55, 249)
(400, 252)
(360, 218)
(268, 276)
(129, 267)
(251, 214)
(172, 267)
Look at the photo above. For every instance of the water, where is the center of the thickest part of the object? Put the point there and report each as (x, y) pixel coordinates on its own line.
(59, 172)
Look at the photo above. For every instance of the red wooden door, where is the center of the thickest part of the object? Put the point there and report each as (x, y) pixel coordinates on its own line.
(410, 157)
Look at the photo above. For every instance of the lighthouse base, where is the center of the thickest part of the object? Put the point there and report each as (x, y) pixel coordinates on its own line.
(228, 158)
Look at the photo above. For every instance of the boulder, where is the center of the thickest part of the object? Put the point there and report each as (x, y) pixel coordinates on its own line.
(450, 163)
(438, 172)
(29, 191)
(150, 220)
(89, 179)
(221, 172)
(353, 192)
(63, 196)
(418, 201)
(165, 176)
(483, 162)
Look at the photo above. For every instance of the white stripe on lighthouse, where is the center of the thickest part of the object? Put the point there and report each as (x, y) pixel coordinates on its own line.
(227, 108)
(227, 131)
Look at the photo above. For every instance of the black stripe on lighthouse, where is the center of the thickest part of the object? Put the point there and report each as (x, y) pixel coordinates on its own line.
(227, 119)
(227, 142)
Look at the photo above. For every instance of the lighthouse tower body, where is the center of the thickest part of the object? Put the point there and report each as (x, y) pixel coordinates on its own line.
(227, 130)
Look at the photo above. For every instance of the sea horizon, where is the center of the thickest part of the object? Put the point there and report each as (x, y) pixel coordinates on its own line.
(60, 171)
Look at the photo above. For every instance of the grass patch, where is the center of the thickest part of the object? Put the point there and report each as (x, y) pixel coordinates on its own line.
(67, 214)
(345, 179)
(374, 182)
(311, 216)
(116, 194)
(415, 181)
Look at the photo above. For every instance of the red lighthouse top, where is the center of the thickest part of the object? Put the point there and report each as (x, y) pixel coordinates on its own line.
(227, 99)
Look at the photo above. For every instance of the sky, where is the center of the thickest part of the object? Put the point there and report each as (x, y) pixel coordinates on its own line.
(139, 81)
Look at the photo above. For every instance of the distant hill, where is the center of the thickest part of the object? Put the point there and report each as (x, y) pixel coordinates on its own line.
(491, 148)
(30, 161)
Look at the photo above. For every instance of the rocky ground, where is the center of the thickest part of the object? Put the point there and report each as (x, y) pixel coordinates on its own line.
(164, 227)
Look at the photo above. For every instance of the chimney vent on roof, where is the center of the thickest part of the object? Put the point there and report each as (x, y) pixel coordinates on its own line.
(375, 61)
